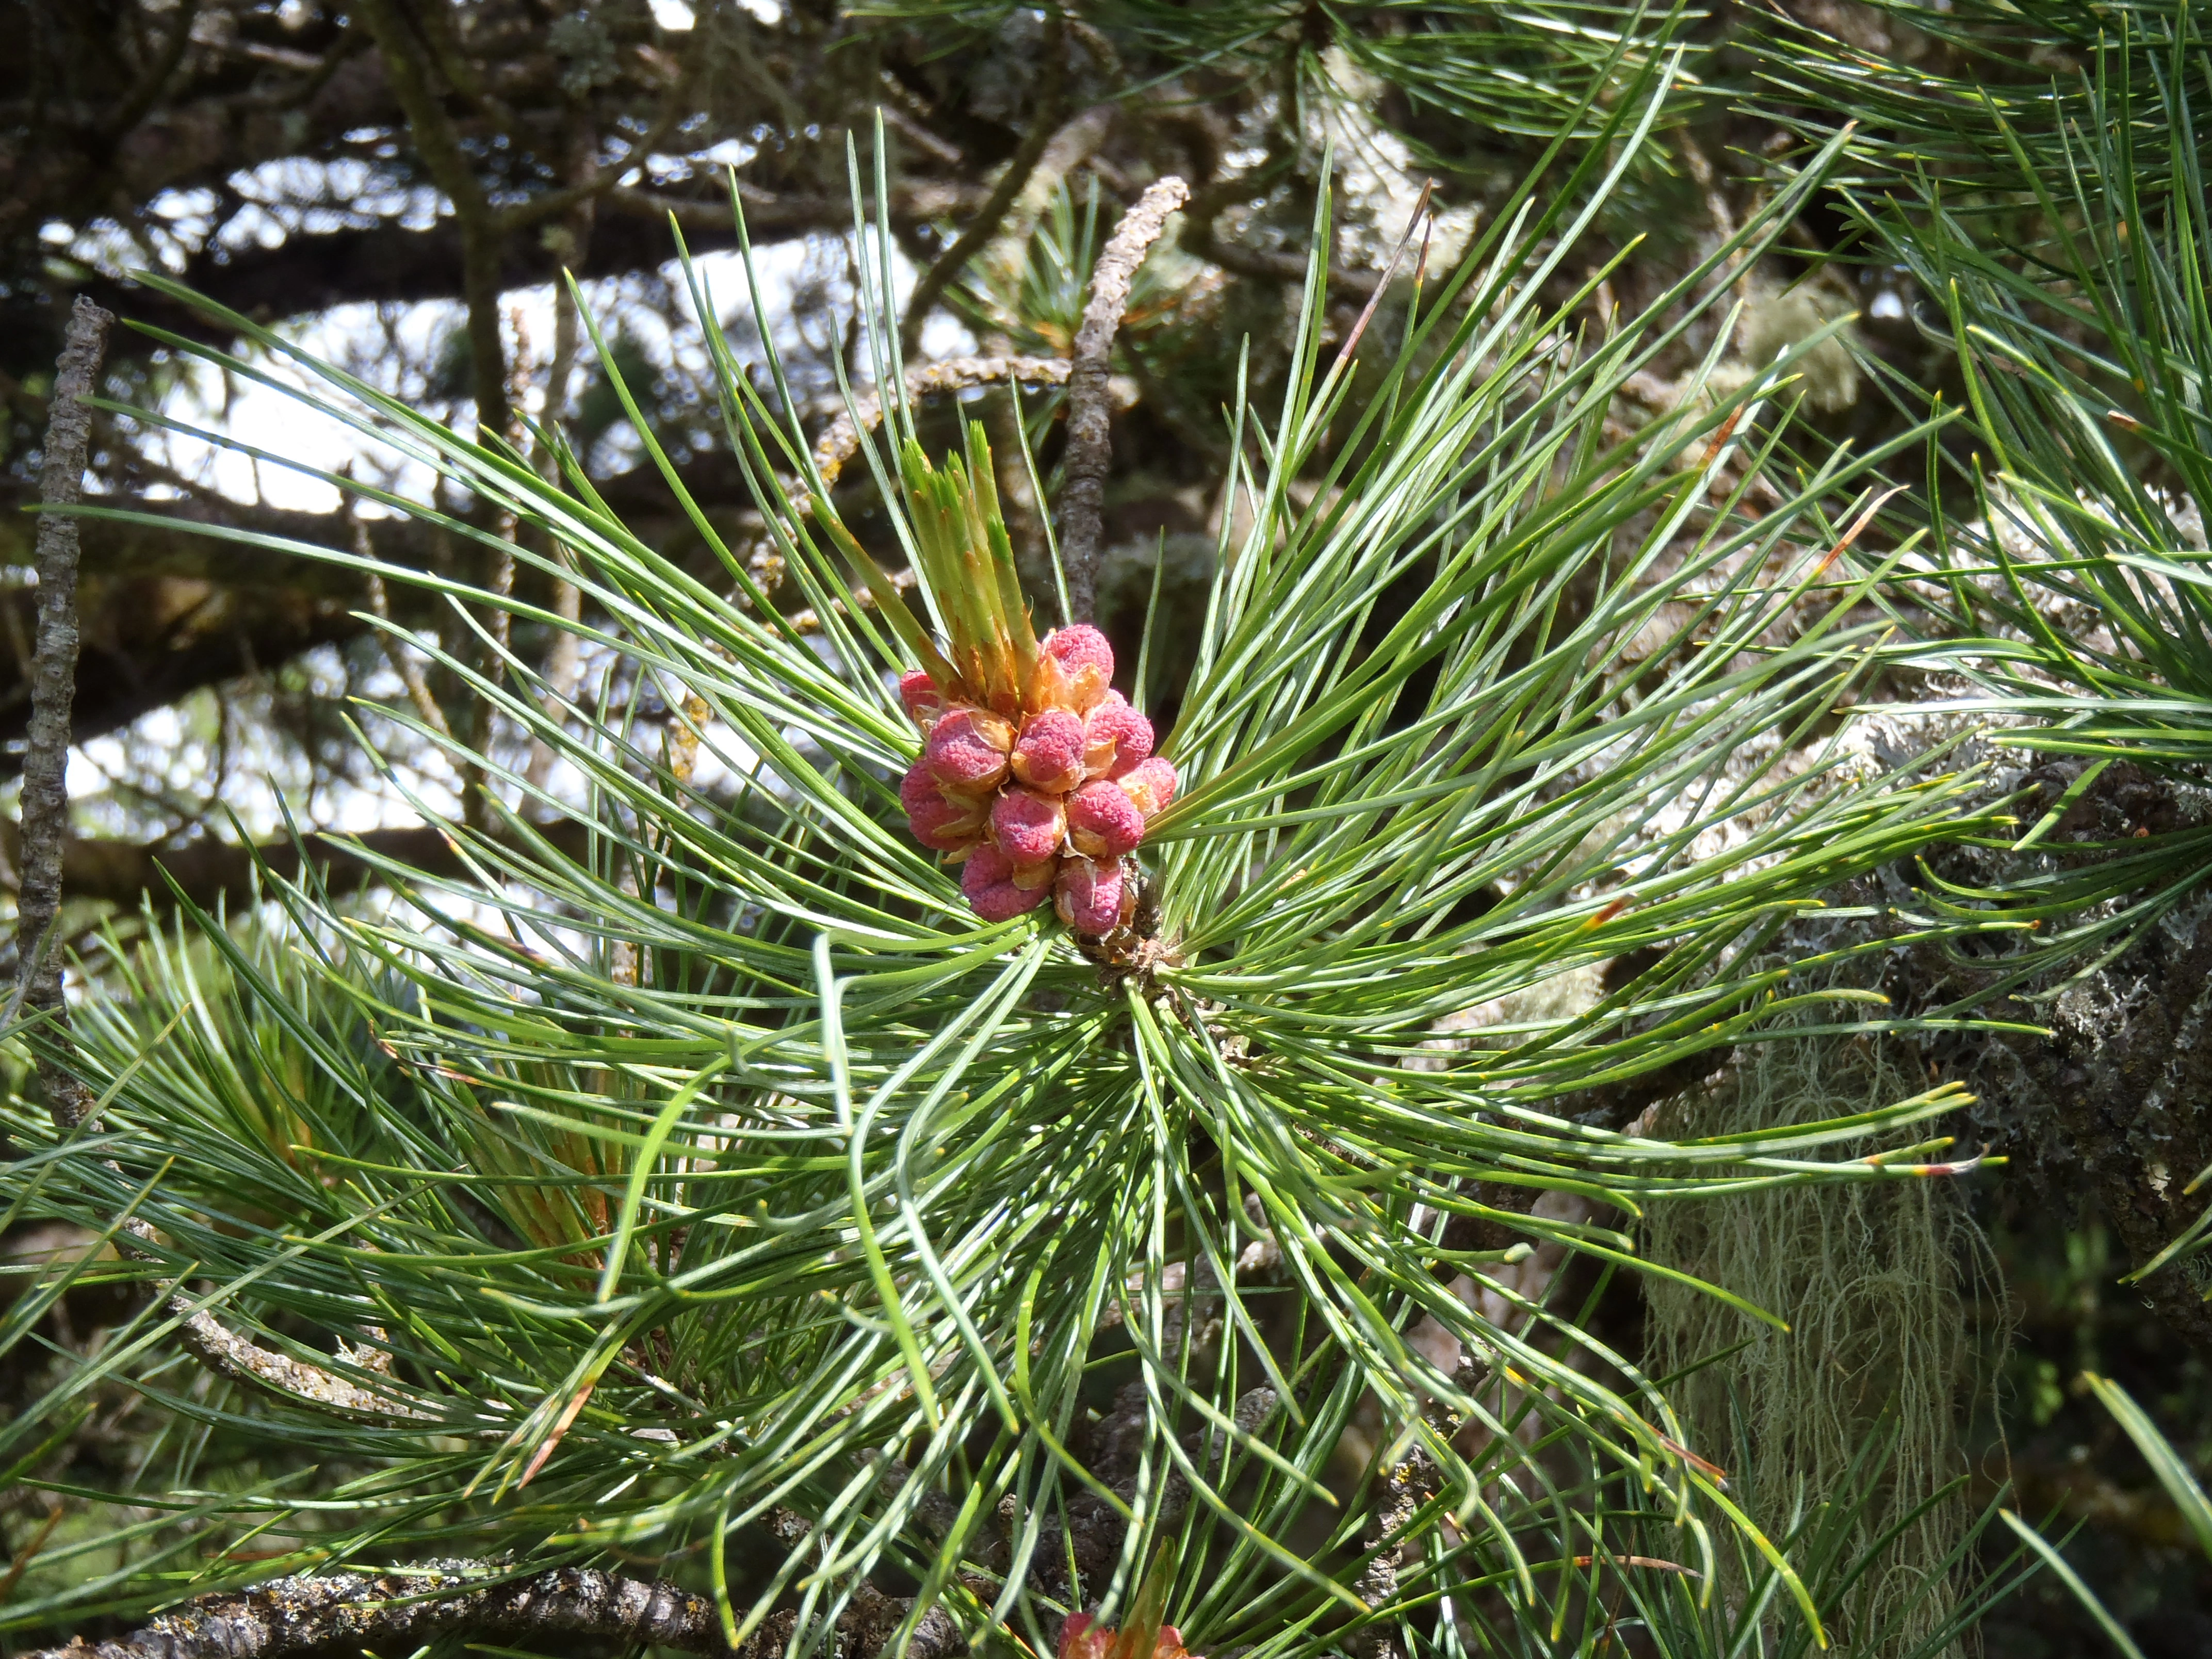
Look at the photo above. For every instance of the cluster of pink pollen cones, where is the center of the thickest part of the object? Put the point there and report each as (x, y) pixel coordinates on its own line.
(1084, 1638)
(1046, 800)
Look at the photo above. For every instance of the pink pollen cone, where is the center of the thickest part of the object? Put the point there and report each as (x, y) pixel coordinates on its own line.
(1048, 755)
(1116, 739)
(987, 880)
(924, 702)
(1027, 826)
(1037, 877)
(917, 788)
(1084, 1638)
(1152, 785)
(1088, 896)
(942, 825)
(1102, 821)
(967, 751)
(1075, 668)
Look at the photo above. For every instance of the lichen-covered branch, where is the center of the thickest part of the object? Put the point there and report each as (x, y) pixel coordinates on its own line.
(311, 1612)
(1398, 1494)
(1089, 441)
(404, 1609)
(2111, 1099)
(293, 1381)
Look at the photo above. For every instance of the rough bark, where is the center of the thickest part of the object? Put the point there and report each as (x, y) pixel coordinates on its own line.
(310, 1612)
(1090, 440)
(1397, 1493)
(45, 801)
(408, 1607)
(2114, 1104)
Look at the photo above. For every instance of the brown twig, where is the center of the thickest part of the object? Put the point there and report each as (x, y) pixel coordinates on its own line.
(841, 441)
(1089, 441)
(1044, 127)
(409, 671)
(352, 1611)
(45, 802)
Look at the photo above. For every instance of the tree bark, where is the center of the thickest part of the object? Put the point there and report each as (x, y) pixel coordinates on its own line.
(2113, 1103)
(408, 1608)
(1090, 440)
(45, 802)
(43, 837)
(308, 1613)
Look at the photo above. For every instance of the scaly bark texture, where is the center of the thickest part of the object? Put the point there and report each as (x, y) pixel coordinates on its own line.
(1089, 441)
(309, 1612)
(313, 1612)
(2115, 1103)
(53, 685)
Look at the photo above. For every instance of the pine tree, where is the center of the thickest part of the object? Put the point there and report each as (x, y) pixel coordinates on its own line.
(1063, 1155)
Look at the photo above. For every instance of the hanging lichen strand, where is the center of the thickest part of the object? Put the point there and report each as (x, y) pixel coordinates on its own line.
(1036, 777)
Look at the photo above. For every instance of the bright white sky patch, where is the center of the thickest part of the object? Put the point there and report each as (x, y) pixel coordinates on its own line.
(268, 419)
(178, 749)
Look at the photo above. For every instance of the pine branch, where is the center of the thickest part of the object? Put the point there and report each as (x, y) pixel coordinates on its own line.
(311, 1613)
(1089, 441)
